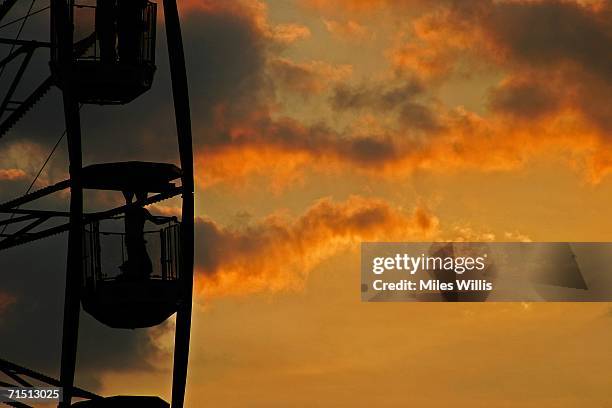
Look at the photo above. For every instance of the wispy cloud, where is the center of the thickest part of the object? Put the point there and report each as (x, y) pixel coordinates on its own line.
(278, 252)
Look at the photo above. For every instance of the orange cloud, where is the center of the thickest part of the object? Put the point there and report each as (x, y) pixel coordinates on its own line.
(12, 174)
(557, 84)
(240, 7)
(278, 252)
(339, 6)
(551, 102)
(429, 47)
(348, 30)
(288, 33)
(284, 149)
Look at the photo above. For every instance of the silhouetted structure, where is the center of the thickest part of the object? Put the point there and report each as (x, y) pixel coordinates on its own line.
(18, 377)
(114, 64)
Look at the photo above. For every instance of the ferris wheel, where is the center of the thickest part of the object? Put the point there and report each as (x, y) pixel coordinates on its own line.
(122, 273)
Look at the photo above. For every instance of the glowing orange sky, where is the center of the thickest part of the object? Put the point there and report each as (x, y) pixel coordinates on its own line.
(411, 104)
(495, 142)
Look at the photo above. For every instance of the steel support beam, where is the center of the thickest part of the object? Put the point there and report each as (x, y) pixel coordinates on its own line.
(62, 24)
(12, 41)
(180, 93)
(87, 218)
(35, 195)
(6, 366)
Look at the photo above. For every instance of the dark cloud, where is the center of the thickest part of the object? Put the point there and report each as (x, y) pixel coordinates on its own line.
(403, 99)
(243, 147)
(308, 78)
(524, 99)
(375, 97)
(371, 151)
(547, 33)
(226, 56)
(419, 116)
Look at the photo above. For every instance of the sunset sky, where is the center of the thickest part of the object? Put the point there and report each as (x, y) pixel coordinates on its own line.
(319, 124)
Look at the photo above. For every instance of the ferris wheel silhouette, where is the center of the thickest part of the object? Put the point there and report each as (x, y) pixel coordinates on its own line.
(124, 275)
